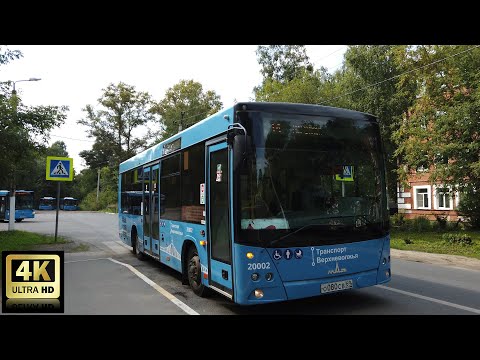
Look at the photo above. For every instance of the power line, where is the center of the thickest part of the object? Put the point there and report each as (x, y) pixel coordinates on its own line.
(324, 57)
(406, 72)
(69, 138)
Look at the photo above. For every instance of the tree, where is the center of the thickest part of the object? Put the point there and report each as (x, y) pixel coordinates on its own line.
(370, 82)
(7, 55)
(185, 104)
(123, 110)
(283, 63)
(441, 129)
(23, 132)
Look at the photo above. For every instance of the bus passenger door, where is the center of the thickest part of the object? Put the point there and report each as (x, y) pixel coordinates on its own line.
(147, 187)
(155, 211)
(218, 229)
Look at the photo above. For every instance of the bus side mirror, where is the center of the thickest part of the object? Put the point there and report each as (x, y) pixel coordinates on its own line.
(242, 149)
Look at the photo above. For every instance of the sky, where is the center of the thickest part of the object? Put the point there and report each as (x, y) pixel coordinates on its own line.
(75, 75)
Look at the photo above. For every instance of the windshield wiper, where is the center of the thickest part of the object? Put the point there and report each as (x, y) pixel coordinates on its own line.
(321, 218)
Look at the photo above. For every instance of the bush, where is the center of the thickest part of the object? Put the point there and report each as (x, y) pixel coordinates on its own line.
(421, 224)
(457, 239)
(470, 206)
(441, 221)
(397, 219)
(407, 241)
(105, 200)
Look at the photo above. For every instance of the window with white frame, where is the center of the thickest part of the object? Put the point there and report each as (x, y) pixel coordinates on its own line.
(422, 197)
(443, 198)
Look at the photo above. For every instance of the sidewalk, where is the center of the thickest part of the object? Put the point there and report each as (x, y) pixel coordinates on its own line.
(462, 262)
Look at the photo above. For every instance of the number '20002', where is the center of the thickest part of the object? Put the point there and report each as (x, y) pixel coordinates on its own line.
(259, 266)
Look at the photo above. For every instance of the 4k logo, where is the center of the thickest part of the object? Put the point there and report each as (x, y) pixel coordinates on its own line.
(32, 281)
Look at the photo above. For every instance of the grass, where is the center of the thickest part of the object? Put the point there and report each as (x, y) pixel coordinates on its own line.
(80, 248)
(23, 240)
(432, 242)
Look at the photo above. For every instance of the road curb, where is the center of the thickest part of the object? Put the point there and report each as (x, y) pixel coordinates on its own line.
(437, 259)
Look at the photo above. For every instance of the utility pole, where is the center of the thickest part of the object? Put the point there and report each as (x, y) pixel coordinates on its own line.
(98, 184)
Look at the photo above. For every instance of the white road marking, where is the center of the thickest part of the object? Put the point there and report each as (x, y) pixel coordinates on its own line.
(157, 287)
(457, 306)
(75, 261)
(115, 247)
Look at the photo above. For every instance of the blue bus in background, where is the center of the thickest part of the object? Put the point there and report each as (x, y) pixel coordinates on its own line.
(69, 204)
(263, 202)
(47, 203)
(24, 208)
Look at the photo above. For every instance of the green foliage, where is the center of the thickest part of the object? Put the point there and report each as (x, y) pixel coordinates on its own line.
(185, 103)
(122, 110)
(408, 241)
(443, 122)
(23, 131)
(7, 55)
(107, 197)
(421, 224)
(462, 239)
(441, 222)
(470, 206)
(283, 63)
(83, 183)
(397, 219)
(432, 242)
(307, 88)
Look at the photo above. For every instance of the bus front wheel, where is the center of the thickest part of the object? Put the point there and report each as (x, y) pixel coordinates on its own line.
(18, 220)
(194, 273)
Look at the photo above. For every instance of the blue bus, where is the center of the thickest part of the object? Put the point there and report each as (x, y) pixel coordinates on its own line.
(69, 204)
(24, 208)
(264, 202)
(47, 203)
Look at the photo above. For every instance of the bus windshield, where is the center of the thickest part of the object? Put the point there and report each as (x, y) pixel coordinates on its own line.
(23, 201)
(70, 202)
(311, 180)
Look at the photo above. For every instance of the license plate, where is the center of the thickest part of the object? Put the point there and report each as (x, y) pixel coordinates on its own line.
(336, 286)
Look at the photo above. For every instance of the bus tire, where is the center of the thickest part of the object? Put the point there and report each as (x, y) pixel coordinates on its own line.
(194, 272)
(18, 220)
(135, 246)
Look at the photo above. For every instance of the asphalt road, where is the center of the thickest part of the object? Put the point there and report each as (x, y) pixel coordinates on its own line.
(109, 279)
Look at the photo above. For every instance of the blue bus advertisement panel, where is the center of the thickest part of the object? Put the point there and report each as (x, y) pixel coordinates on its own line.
(24, 206)
(263, 202)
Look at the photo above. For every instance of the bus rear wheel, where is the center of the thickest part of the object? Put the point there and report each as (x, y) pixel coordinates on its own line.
(18, 220)
(136, 246)
(194, 273)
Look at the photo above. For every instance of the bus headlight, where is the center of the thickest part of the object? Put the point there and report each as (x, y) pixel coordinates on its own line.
(258, 293)
(268, 276)
(249, 255)
(255, 276)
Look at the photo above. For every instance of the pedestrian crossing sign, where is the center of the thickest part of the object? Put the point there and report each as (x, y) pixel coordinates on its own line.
(346, 175)
(59, 168)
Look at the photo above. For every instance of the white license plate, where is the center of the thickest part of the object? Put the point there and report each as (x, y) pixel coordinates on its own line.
(336, 286)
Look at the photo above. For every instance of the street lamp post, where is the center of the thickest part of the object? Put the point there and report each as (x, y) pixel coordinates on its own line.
(11, 219)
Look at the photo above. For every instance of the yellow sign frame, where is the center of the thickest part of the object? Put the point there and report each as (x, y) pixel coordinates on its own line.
(49, 170)
(345, 178)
